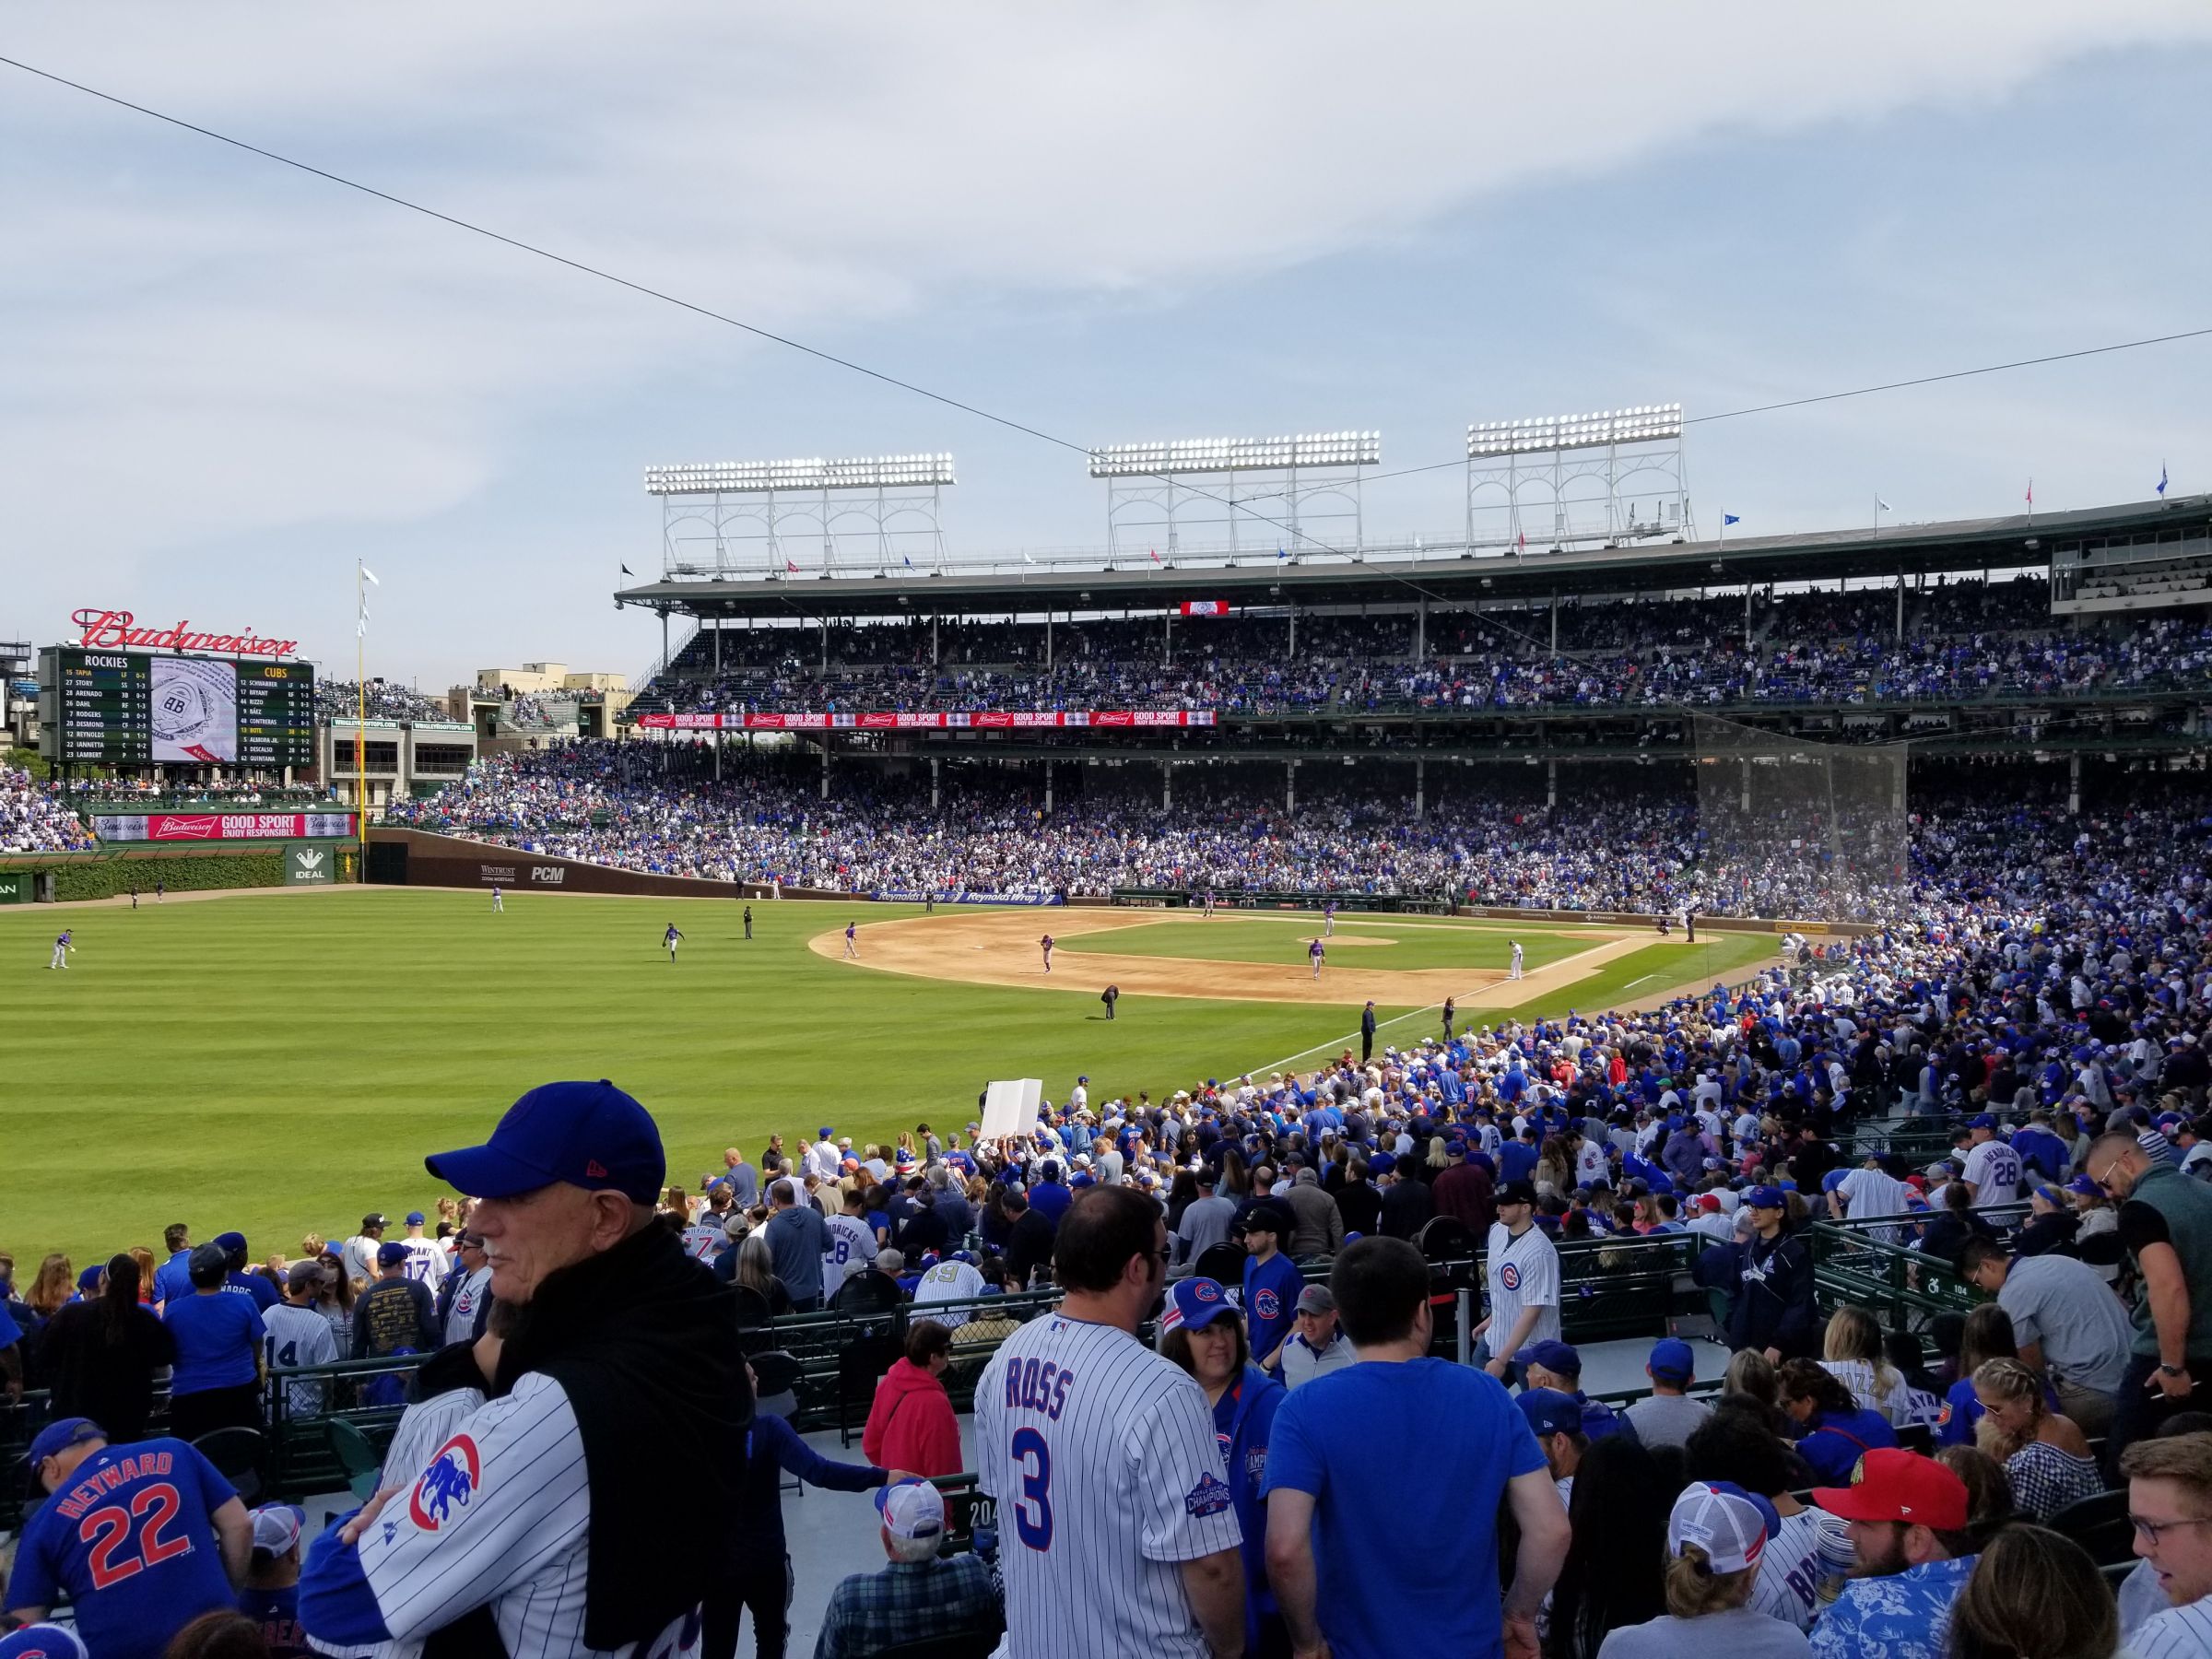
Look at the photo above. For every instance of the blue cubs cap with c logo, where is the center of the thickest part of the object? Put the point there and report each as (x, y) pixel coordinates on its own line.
(588, 1135)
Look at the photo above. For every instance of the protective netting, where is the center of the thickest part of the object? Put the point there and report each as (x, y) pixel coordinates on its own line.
(1791, 828)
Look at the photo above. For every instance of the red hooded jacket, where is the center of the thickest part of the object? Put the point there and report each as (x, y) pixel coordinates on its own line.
(911, 1425)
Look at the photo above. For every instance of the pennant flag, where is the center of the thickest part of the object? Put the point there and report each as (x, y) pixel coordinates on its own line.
(1280, 554)
(790, 569)
(1522, 541)
(908, 560)
(371, 575)
(2161, 478)
(1729, 518)
(1880, 505)
(628, 571)
(1156, 556)
(2031, 492)
(1027, 559)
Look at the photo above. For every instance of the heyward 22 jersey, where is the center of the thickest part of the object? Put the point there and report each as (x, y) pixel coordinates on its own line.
(1108, 1474)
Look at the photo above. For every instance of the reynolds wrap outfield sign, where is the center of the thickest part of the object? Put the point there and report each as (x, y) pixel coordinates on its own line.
(888, 721)
(221, 825)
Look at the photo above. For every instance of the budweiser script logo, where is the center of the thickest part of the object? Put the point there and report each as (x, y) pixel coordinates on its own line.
(109, 629)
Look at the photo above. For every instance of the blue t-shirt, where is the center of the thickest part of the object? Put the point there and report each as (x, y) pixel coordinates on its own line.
(172, 1280)
(218, 1338)
(1331, 1439)
(1271, 1292)
(253, 1285)
(1516, 1160)
(1050, 1199)
(10, 1333)
(278, 1614)
(138, 1559)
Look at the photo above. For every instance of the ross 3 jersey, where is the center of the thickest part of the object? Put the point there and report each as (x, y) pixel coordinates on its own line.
(1108, 1474)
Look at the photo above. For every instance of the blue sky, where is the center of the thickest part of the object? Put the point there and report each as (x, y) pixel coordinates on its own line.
(221, 381)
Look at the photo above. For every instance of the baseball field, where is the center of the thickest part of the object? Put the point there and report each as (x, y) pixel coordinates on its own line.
(279, 1062)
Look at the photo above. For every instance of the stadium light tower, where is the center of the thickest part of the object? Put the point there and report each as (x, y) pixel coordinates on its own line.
(843, 515)
(1265, 493)
(1563, 477)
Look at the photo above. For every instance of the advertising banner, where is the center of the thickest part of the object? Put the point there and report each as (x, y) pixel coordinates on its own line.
(221, 825)
(893, 720)
(308, 866)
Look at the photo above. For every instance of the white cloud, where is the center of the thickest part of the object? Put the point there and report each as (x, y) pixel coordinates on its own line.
(206, 350)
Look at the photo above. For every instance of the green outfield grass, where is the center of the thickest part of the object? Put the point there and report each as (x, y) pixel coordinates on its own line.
(1394, 942)
(280, 1063)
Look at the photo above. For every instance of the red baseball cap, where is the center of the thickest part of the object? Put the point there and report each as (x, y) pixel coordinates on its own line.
(1891, 1485)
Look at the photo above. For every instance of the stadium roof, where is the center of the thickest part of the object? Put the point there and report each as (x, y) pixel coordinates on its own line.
(1384, 575)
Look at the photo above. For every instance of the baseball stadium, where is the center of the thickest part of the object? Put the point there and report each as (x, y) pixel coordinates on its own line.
(1594, 1082)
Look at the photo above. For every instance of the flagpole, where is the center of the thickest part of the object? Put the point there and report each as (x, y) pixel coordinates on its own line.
(360, 720)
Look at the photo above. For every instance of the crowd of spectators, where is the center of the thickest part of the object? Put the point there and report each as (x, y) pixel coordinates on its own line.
(388, 700)
(2044, 1013)
(657, 807)
(1962, 641)
(34, 818)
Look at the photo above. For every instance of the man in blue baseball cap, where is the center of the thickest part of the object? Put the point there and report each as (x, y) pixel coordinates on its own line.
(1668, 1417)
(1558, 1366)
(623, 1364)
(1555, 1420)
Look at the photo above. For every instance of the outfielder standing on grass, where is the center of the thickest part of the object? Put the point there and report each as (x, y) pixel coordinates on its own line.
(669, 941)
(537, 1528)
(1315, 952)
(1118, 1531)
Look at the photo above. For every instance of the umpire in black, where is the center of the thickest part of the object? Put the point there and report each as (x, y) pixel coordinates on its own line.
(1367, 1033)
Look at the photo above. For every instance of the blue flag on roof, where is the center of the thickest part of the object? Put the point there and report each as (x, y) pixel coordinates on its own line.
(1280, 554)
(1729, 518)
(909, 559)
(2161, 478)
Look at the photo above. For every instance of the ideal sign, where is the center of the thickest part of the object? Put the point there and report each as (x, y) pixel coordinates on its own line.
(112, 630)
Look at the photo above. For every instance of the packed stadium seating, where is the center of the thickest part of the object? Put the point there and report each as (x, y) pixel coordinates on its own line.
(1966, 641)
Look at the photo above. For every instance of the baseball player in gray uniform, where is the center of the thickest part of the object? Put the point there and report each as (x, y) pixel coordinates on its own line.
(1118, 1533)
(623, 1361)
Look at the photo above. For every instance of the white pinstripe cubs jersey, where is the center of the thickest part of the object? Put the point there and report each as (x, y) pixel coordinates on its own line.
(500, 1514)
(1103, 1460)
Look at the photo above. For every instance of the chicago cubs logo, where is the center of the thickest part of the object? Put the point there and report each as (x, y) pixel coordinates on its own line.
(1509, 1276)
(1205, 1290)
(453, 1479)
(1266, 1304)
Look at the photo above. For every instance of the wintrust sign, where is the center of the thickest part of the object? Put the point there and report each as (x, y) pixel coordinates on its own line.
(109, 629)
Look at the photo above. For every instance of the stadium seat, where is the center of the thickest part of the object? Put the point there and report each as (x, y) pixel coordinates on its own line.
(1223, 1262)
(237, 1455)
(867, 1293)
(756, 1334)
(1917, 1437)
(355, 1457)
(2100, 1525)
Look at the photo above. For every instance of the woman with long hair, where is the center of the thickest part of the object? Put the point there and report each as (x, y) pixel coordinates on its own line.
(1988, 1493)
(1201, 1331)
(53, 1286)
(755, 1270)
(1987, 1335)
(1613, 1573)
(2034, 1595)
(1834, 1431)
(98, 1357)
(1715, 1536)
(1236, 1177)
(2045, 1454)
(145, 1258)
(1555, 1168)
(1851, 1350)
(1181, 1193)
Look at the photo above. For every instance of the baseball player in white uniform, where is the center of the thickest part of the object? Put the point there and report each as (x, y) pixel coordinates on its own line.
(1118, 1532)
(1516, 968)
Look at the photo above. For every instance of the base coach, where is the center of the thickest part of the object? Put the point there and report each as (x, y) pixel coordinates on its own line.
(539, 1528)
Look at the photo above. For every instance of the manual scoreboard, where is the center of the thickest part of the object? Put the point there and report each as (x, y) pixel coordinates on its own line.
(125, 708)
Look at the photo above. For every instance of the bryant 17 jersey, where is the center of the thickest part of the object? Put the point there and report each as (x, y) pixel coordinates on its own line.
(1108, 1474)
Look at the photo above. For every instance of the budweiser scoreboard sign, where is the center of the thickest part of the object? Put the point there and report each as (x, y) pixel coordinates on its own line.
(128, 708)
(890, 721)
(222, 826)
